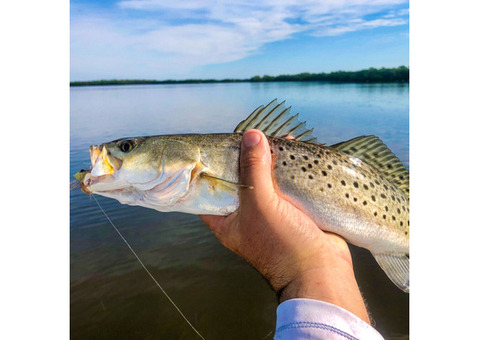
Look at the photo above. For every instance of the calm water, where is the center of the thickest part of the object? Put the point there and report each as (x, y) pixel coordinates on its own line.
(112, 297)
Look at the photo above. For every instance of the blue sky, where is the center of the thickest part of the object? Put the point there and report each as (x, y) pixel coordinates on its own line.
(173, 39)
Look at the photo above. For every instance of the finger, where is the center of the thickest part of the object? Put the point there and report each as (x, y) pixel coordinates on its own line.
(224, 228)
(256, 169)
(214, 222)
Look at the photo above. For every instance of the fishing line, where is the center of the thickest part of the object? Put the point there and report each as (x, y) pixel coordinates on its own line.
(148, 272)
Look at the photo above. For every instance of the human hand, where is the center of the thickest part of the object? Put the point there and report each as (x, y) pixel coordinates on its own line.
(277, 238)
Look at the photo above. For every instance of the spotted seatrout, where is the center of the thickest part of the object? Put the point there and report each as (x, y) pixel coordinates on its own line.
(357, 189)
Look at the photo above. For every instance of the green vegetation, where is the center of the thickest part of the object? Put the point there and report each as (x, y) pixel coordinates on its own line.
(371, 75)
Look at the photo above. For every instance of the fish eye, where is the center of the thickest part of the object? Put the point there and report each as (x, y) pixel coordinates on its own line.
(126, 146)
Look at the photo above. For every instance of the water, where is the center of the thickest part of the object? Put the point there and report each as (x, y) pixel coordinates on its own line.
(112, 297)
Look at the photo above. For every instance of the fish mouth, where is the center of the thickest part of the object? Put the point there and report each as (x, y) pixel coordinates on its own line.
(103, 162)
(104, 166)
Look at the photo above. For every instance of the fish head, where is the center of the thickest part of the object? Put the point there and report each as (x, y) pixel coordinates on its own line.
(146, 171)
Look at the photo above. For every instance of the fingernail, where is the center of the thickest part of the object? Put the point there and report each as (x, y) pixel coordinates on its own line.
(251, 138)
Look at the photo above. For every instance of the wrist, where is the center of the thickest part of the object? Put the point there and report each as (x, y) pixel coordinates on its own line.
(333, 282)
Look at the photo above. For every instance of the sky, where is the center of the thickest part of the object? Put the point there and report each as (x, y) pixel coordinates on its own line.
(174, 39)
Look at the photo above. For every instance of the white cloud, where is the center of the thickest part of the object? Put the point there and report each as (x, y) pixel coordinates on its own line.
(192, 33)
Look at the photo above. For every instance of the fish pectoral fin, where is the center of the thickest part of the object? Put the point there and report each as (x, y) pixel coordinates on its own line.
(396, 266)
(226, 182)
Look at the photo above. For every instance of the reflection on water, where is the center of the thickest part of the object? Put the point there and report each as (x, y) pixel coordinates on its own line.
(112, 297)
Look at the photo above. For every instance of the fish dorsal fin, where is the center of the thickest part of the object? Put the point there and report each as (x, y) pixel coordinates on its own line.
(371, 150)
(276, 120)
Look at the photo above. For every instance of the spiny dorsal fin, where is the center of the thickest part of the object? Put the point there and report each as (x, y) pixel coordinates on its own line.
(275, 120)
(372, 151)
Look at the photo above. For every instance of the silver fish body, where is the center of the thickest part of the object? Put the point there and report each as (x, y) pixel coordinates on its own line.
(199, 174)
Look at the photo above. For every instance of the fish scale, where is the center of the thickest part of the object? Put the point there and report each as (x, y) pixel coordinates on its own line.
(318, 176)
(357, 189)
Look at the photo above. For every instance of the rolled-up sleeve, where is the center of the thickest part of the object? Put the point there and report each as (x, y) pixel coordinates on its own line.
(314, 319)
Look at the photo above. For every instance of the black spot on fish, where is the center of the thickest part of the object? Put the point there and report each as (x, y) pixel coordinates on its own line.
(284, 163)
(403, 207)
(329, 167)
(384, 217)
(365, 187)
(393, 217)
(305, 158)
(324, 173)
(292, 157)
(398, 211)
(386, 208)
(304, 168)
(406, 233)
(343, 182)
(315, 161)
(377, 182)
(310, 176)
(354, 149)
(280, 148)
(310, 166)
(385, 187)
(364, 202)
(401, 225)
(373, 198)
(292, 177)
(347, 195)
(354, 199)
(329, 185)
(371, 185)
(375, 213)
(355, 184)
(389, 166)
(393, 197)
(383, 196)
(334, 162)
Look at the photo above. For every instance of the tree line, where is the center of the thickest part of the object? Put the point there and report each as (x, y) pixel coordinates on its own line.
(371, 75)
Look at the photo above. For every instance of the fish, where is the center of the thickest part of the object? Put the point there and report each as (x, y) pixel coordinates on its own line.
(358, 189)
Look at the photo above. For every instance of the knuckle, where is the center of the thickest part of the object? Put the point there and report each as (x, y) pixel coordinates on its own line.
(252, 162)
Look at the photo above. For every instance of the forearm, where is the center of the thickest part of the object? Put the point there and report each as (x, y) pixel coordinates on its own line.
(333, 282)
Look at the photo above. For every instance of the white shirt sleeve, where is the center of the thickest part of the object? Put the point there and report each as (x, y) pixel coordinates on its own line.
(313, 319)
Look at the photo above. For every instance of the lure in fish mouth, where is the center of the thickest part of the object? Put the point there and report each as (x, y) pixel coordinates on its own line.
(104, 169)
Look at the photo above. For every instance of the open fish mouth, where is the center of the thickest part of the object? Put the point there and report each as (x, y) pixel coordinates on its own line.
(104, 166)
(103, 162)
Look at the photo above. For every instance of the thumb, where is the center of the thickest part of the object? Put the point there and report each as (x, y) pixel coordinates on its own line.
(256, 169)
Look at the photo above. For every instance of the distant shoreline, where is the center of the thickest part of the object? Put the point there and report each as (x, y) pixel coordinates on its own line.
(371, 75)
